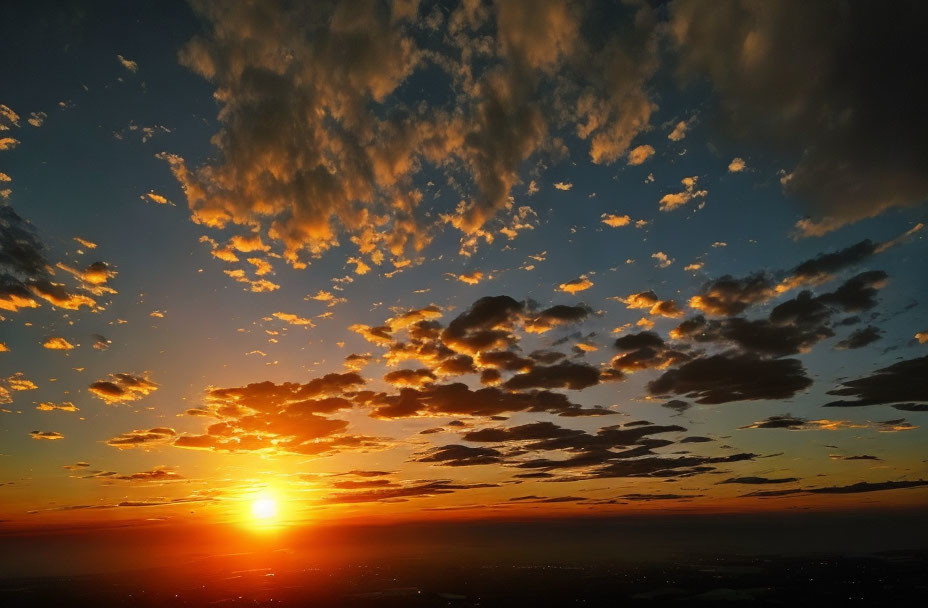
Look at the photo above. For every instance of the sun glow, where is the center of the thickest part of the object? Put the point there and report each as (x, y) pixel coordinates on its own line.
(264, 508)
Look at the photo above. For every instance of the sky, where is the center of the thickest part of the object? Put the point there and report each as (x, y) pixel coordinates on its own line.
(412, 260)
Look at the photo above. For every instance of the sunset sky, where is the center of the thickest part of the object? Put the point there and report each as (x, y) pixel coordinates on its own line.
(413, 260)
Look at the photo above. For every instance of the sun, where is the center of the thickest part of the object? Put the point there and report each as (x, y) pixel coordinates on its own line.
(264, 508)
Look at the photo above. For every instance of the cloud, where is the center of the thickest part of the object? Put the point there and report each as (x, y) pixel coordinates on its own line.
(25, 272)
(645, 350)
(46, 435)
(410, 377)
(137, 438)
(648, 300)
(37, 119)
(460, 456)
(292, 319)
(899, 383)
(457, 399)
(730, 296)
(574, 376)
(638, 156)
(663, 260)
(350, 166)
(861, 337)
(793, 423)
(64, 406)
(857, 156)
(563, 186)
(155, 198)
(471, 278)
(615, 221)
(411, 490)
(287, 418)
(57, 343)
(613, 451)
(856, 488)
(737, 165)
(14, 383)
(122, 388)
(556, 316)
(579, 284)
(152, 475)
(759, 480)
(679, 131)
(669, 202)
(730, 376)
(128, 64)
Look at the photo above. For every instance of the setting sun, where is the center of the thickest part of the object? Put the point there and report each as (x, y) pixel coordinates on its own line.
(264, 508)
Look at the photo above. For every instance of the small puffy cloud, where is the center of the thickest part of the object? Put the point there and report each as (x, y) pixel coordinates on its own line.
(122, 388)
(615, 221)
(57, 343)
(101, 342)
(128, 64)
(922, 337)
(662, 260)
(86, 243)
(293, 319)
(156, 198)
(679, 131)
(410, 377)
(471, 278)
(15, 383)
(140, 438)
(737, 165)
(46, 435)
(37, 119)
(669, 202)
(579, 284)
(637, 156)
(563, 186)
(64, 406)
(859, 338)
(648, 300)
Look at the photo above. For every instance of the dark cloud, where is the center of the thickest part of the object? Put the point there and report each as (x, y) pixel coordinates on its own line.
(460, 456)
(645, 350)
(857, 488)
(677, 405)
(524, 432)
(857, 154)
(403, 492)
(555, 316)
(860, 338)
(574, 376)
(728, 296)
(780, 422)
(156, 474)
(136, 438)
(901, 383)
(458, 399)
(856, 457)
(486, 325)
(760, 480)
(122, 388)
(730, 376)
(25, 272)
